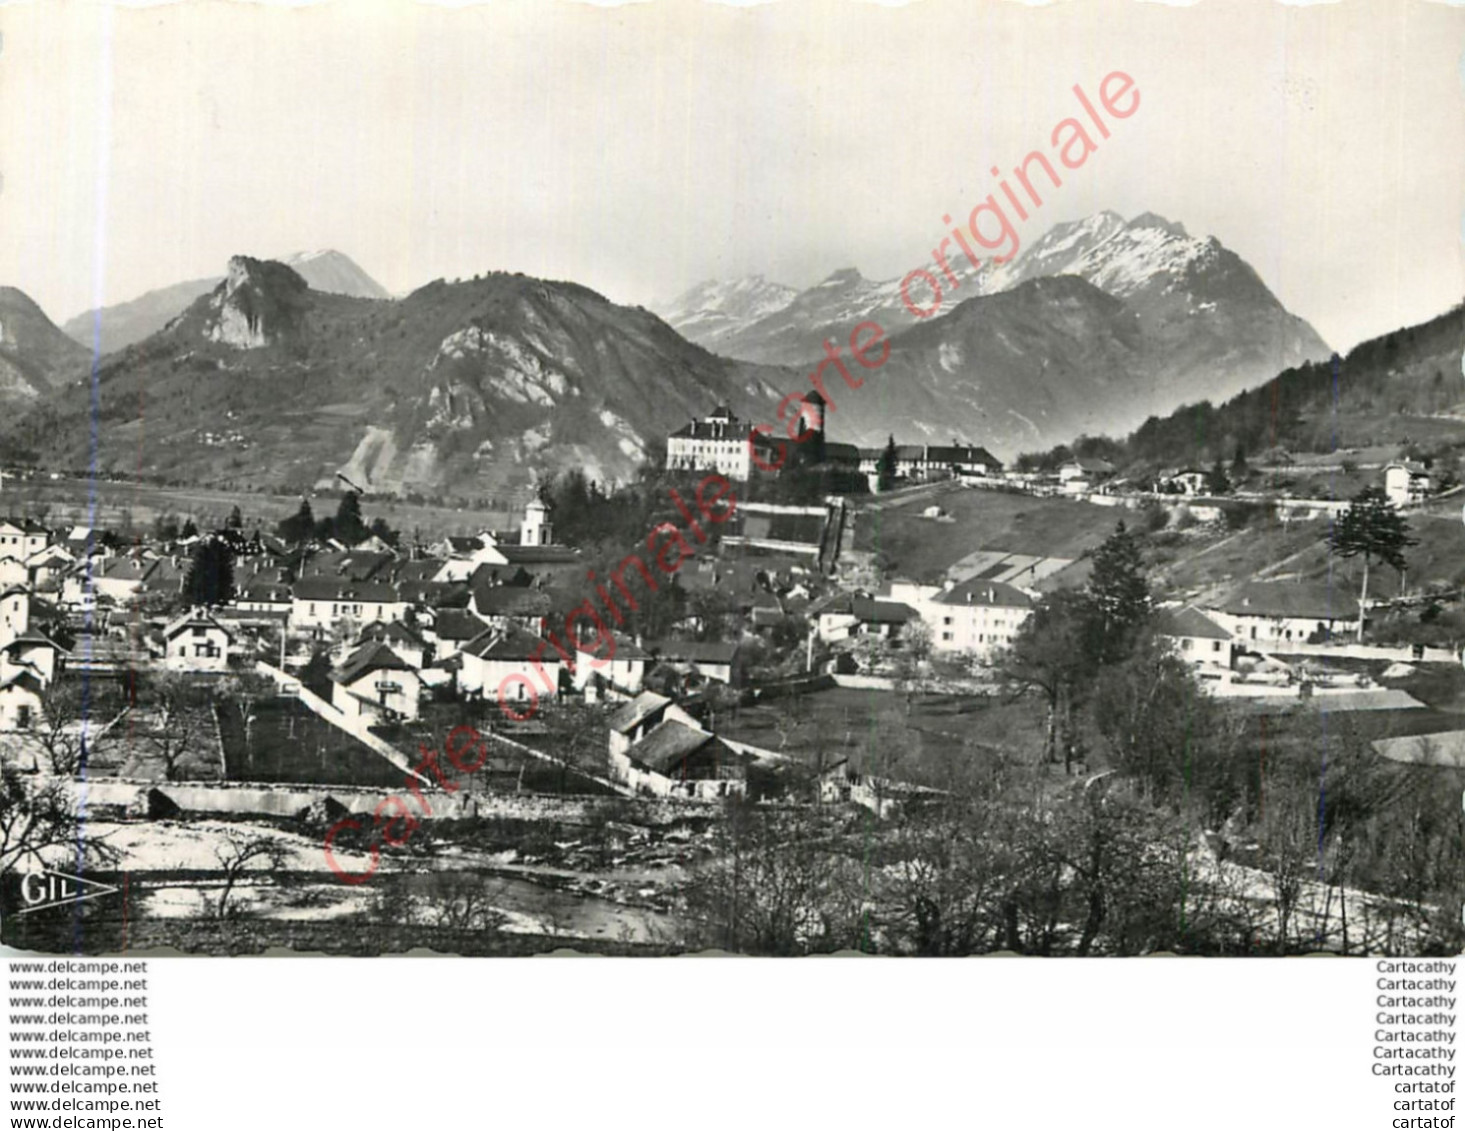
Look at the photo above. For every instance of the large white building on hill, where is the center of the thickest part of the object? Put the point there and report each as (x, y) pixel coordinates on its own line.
(721, 443)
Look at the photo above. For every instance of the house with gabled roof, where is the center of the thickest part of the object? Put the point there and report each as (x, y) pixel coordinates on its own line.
(621, 668)
(506, 606)
(1086, 469)
(20, 701)
(22, 537)
(122, 579)
(926, 461)
(510, 665)
(678, 758)
(631, 721)
(33, 652)
(196, 642)
(1194, 637)
(853, 615)
(712, 659)
(1407, 482)
(375, 686)
(48, 564)
(450, 630)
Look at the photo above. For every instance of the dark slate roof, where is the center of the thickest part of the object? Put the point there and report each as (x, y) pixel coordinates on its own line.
(1091, 466)
(625, 649)
(633, 711)
(376, 656)
(26, 525)
(438, 594)
(419, 569)
(962, 453)
(128, 569)
(711, 430)
(975, 591)
(166, 572)
(23, 679)
(509, 600)
(31, 639)
(869, 611)
(936, 453)
(671, 743)
(539, 555)
(194, 618)
(393, 632)
(1306, 601)
(326, 563)
(265, 591)
(516, 644)
(666, 744)
(340, 589)
(363, 565)
(735, 429)
(455, 624)
(694, 651)
(1188, 621)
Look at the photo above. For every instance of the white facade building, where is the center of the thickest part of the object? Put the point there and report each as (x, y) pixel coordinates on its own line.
(720, 443)
(1406, 483)
(1275, 613)
(975, 616)
(376, 686)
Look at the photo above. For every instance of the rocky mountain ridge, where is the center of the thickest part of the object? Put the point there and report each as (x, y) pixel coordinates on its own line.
(457, 389)
(125, 323)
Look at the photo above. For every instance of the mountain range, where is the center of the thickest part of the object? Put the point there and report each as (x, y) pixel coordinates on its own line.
(127, 322)
(1017, 366)
(458, 389)
(284, 375)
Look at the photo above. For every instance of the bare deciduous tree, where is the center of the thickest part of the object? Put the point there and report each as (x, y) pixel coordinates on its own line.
(37, 814)
(239, 851)
(460, 902)
(174, 730)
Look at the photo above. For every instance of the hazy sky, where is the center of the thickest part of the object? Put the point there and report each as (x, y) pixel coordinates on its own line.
(640, 149)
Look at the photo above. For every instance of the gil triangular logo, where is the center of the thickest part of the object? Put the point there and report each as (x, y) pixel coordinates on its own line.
(39, 890)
